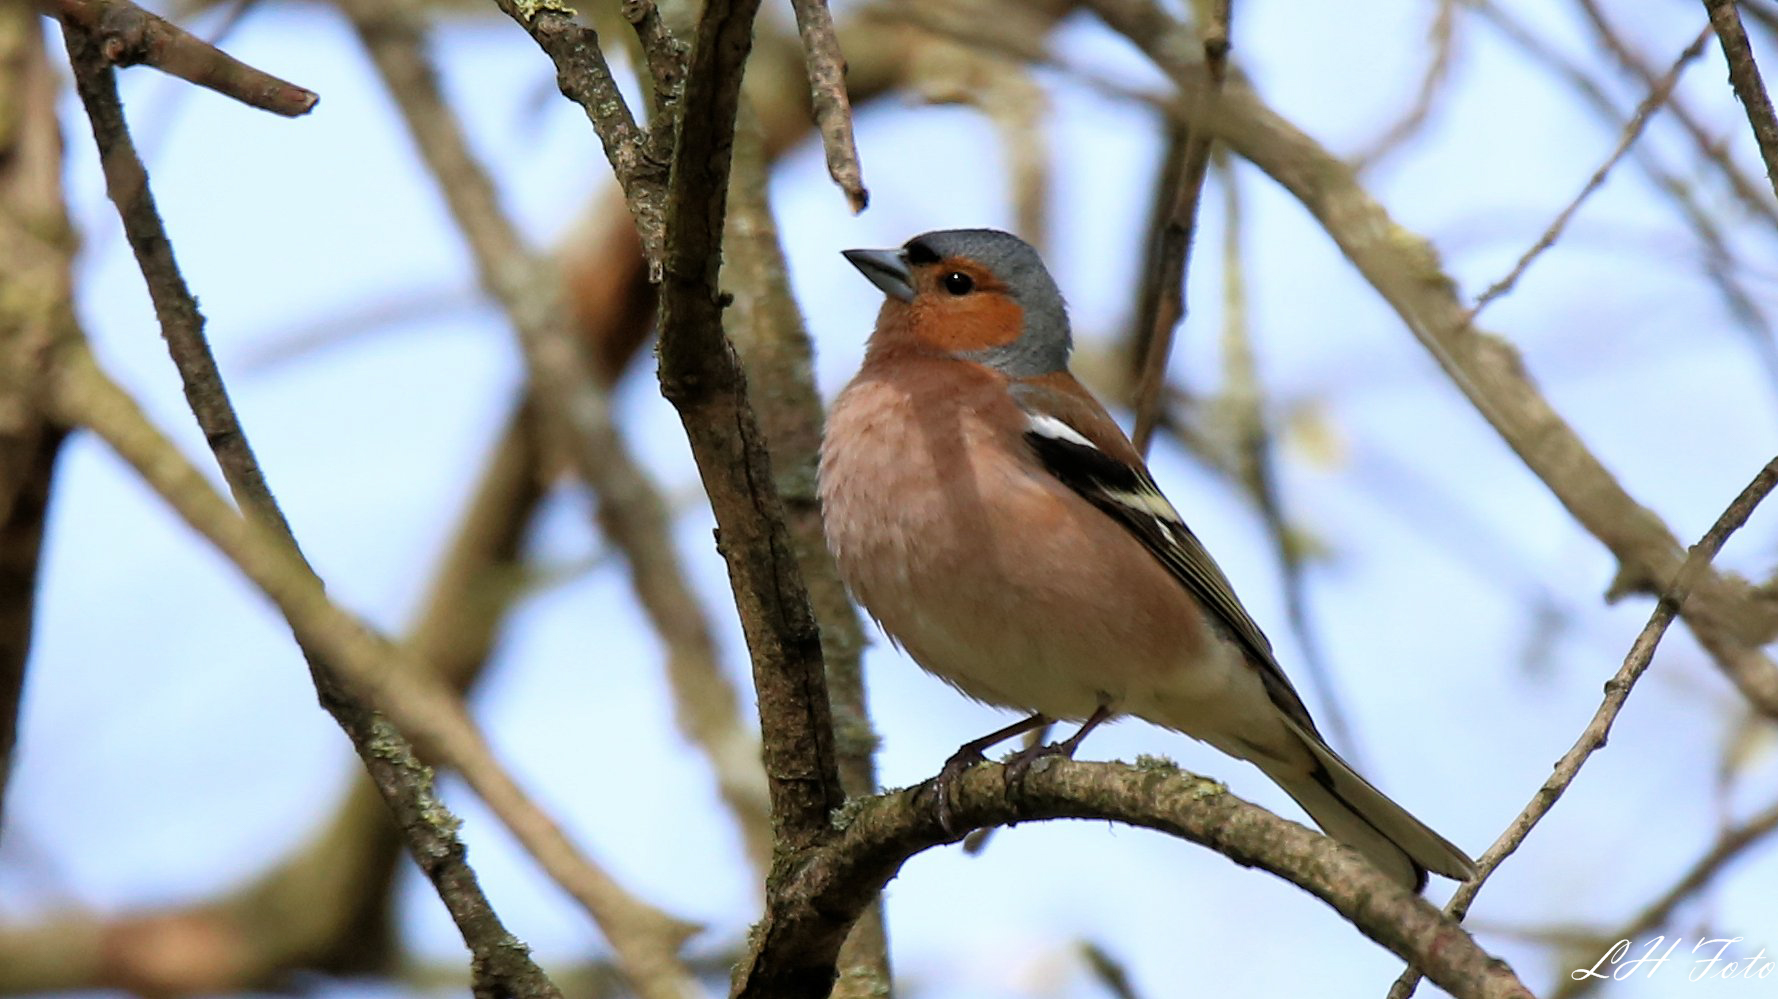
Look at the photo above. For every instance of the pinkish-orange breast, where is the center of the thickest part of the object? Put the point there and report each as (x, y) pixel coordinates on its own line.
(993, 575)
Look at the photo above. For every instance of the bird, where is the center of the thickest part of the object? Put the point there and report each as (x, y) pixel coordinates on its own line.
(993, 518)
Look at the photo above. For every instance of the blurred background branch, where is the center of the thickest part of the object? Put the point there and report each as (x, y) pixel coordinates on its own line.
(36, 313)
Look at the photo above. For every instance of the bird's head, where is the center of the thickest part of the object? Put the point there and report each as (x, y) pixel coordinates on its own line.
(973, 294)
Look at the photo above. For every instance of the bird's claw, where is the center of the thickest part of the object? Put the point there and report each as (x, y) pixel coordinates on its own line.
(1020, 762)
(945, 785)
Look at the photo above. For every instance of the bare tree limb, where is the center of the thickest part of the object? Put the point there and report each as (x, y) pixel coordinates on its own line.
(631, 511)
(664, 55)
(795, 943)
(648, 939)
(703, 380)
(773, 344)
(126, 35)
(419, 704)
(1744, 76)
(405, 784)
(1443, 43)
(326, 908)
(1719, 260)
(1164, 272)
(1723, 612)
(1617, 692)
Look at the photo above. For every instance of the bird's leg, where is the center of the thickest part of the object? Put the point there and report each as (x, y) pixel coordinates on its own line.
(968, 755)
(1022, 760)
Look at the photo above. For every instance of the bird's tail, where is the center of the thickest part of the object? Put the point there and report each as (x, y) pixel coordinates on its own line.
(1350, 810)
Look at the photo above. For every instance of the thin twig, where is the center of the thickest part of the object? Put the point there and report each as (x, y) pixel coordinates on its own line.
(1110, 972)
(1432, 83)
(1744, 76)
(585, 78)
(1617, 693)
(827, 91)
(665, 56)
(1719, 260)
(124, 34)
(1160, 299)
(1657, 97)
(1171, 253)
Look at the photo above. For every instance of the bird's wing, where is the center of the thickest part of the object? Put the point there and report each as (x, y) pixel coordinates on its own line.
(1078, 443)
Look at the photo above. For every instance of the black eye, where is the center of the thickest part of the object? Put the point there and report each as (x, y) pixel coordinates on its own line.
(958, 283)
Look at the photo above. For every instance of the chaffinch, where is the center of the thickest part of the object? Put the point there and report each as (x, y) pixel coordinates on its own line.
(998, 525)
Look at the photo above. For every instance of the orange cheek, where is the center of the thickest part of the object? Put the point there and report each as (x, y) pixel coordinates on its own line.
(972, 323)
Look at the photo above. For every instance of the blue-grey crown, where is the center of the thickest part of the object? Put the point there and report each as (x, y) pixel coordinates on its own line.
(1045, 343)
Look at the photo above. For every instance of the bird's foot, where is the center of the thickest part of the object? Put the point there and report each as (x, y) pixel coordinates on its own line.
(945, 784)
(1020, 762)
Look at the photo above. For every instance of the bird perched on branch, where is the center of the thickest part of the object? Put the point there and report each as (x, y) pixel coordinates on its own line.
(995, 521)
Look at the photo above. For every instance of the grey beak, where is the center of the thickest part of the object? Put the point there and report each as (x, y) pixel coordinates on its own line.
(886, 269)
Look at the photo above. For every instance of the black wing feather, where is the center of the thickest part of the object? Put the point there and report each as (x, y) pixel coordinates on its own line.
(1103, 481)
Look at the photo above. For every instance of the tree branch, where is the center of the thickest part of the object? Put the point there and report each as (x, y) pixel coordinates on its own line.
(124, 34)
(1712, 148)
(702, 379)
(795, 943)
(1658, 93)
(585, 78)
(342, 655)
(1169, 255)
(632, 513)
(417, 702)
(405, 784)
(773, 344)
(1719, 262)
